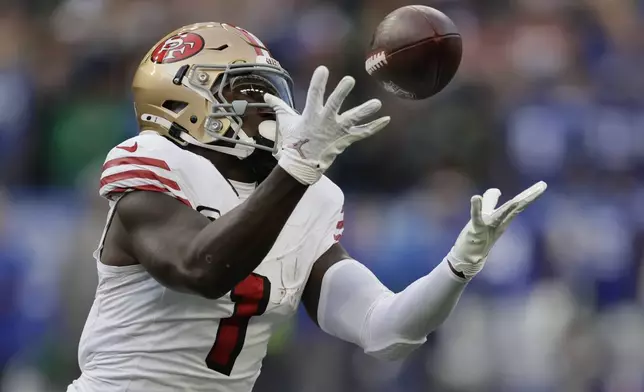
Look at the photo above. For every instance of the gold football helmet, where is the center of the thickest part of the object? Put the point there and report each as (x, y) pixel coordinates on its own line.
(199, 83)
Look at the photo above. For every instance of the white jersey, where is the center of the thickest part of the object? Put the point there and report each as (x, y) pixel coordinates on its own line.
(143, 337)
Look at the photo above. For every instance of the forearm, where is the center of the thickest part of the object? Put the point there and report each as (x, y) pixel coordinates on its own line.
(401, 322)
(356, 307)
(229, 249)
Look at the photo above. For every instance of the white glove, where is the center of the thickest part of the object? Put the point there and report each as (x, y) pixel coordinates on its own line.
(313, 140)
(487, 224)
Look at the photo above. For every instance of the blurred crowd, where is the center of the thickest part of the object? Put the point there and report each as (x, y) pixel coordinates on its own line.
(548, 90)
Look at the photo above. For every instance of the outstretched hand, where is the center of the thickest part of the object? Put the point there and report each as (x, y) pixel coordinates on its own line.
(312, 140)
(468, 255)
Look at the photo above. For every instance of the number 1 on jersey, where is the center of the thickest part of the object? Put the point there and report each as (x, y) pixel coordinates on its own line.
(250, 297)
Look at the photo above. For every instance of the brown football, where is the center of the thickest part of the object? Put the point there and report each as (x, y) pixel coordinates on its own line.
(415, 52)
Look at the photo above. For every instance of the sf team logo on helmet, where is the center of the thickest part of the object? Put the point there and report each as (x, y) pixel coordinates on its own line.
(178, 48)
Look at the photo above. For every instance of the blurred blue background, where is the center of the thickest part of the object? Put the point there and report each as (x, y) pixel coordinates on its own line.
(548, 89)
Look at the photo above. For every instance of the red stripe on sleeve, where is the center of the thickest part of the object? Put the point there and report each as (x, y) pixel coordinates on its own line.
(136, 174)
(340, 225)
(150, 188)
(136, 161)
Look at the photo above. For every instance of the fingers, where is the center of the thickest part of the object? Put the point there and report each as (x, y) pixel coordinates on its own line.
(501, 215)
(490, 199)
(340, 93)
(353, 116)
(476, 208)
(508, 211)
(505, 219)
(531, 194)
(315, 96)
(366, 130)
(277, 104)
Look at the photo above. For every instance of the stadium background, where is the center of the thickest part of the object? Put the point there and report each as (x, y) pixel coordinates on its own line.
(548, 89)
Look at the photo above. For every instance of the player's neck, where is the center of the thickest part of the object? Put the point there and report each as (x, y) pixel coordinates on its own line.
(229, 166)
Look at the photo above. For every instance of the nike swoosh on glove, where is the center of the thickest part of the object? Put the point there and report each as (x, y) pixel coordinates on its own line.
(468, 255)
(312, 140)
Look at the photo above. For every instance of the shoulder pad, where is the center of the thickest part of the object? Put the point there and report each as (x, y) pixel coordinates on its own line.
(142, 163)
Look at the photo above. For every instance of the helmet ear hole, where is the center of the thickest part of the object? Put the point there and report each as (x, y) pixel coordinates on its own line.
(175, 106)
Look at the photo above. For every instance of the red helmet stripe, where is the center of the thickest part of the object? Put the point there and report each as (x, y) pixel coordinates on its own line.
(260, 48)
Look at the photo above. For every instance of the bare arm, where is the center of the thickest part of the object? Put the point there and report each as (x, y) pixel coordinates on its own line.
(183, 250)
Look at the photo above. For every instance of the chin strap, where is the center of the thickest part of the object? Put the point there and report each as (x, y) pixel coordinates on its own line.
(240, 151)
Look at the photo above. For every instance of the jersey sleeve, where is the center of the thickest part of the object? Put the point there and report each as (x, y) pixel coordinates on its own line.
(135, 166)
(333, 222)
(337, 225)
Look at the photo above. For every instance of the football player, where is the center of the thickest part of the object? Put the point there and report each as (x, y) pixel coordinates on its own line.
(222, 221)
